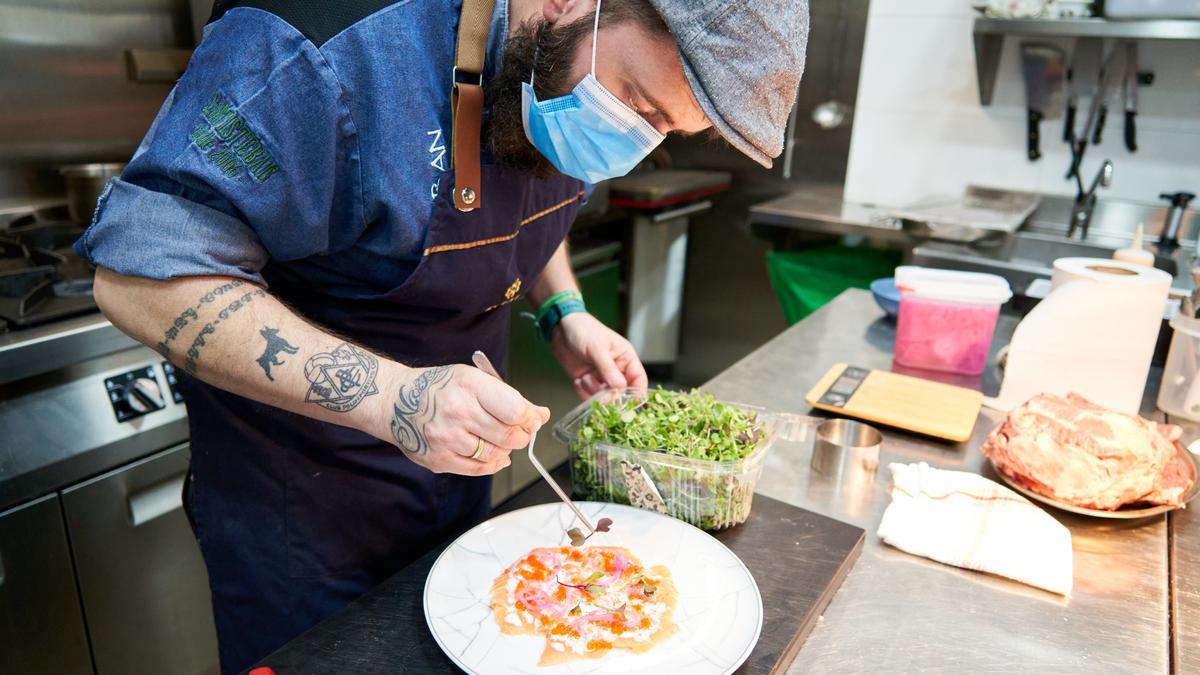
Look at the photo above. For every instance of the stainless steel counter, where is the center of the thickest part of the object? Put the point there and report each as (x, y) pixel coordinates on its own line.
(1185, 575)
(819, 208)
(1022, 257)
(900, 612)
(1185, 590)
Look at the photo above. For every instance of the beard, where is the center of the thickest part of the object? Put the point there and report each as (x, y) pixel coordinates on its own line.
(548, 52)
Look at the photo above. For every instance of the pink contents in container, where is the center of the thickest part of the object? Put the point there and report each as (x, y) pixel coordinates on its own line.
(947, 318)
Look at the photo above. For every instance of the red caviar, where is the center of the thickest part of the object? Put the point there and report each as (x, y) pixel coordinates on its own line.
(538, 571)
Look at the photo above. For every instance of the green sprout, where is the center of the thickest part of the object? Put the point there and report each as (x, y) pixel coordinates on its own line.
(691, 424)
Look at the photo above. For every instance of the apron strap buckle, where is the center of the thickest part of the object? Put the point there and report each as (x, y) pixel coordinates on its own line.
(466, 101)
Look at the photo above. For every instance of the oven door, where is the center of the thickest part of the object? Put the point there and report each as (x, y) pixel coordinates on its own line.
(41, 625)
(144, 587)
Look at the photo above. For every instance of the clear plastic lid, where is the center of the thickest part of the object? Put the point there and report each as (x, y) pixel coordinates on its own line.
(952, 286)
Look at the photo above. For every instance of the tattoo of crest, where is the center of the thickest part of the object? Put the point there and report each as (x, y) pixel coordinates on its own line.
(414, 408)
(340, 379)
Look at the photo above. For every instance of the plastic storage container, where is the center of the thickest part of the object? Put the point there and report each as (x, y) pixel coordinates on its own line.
(1179, 393)
(708, 494)
(947, 318)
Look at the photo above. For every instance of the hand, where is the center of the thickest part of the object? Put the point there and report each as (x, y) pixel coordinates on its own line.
(439, 415)
(595, 356)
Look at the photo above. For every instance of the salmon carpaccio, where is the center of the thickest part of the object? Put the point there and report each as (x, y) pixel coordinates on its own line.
(585, 602)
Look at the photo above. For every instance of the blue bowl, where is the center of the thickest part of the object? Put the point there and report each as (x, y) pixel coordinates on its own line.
(887, 296)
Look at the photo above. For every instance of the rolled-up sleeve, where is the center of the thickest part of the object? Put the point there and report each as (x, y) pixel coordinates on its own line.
(251, 158)
(145, 233)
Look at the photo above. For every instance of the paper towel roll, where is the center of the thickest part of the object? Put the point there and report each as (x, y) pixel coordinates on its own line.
(1094, 334)
(1115, 272)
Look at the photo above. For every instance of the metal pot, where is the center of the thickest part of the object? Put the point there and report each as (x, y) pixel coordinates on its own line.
(85, 183)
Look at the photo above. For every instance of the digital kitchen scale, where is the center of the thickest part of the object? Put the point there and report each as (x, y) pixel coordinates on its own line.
(930, 408)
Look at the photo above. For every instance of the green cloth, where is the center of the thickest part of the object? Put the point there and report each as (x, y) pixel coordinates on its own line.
(807, 279)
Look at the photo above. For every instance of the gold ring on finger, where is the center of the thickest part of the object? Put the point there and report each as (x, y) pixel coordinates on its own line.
(480, 447)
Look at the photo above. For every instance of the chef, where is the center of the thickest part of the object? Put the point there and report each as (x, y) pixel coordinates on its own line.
(302, 235)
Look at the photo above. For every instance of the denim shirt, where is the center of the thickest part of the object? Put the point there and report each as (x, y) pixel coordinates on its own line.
(320, 158)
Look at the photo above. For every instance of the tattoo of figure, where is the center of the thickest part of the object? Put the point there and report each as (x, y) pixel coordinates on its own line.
(414, 408)
(275, 345)
(340, 379)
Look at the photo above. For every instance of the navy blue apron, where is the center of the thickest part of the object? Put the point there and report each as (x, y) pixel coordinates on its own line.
(297, 517)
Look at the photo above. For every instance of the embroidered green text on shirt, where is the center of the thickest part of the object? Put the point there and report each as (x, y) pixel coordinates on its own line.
(229, 143)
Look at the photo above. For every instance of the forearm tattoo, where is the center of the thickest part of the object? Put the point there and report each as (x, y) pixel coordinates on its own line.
(193, 352)
(276, 343)
(191, 314)
(339, 380)
(414, 408)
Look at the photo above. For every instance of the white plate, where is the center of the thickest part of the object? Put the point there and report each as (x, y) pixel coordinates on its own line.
(719, 612)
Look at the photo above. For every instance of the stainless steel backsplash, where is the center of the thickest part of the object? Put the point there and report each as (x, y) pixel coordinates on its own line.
(65, 91)
(66, 95)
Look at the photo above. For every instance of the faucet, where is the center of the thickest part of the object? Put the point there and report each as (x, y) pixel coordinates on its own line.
(1085, 201)
(1179, 202)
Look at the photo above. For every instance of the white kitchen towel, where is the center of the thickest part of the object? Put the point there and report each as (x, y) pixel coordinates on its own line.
(966, 520)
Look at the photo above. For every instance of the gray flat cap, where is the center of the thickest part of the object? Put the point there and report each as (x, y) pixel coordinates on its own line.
(743, 59)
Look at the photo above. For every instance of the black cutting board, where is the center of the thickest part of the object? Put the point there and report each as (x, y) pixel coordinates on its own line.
(798, 558)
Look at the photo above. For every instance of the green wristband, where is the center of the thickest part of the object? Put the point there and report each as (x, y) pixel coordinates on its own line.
(553, 300)
(554, 309)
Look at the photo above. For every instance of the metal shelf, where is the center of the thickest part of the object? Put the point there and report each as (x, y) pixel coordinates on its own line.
(990, 34)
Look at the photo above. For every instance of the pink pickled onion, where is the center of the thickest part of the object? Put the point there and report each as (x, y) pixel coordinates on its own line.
(620, 564)
(533, 598)
(594, 616)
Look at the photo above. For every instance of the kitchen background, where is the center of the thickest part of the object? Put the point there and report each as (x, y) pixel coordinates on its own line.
(86, 441)
(919, 128)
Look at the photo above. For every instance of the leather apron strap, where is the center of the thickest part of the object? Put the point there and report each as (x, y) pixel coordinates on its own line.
(466, 101)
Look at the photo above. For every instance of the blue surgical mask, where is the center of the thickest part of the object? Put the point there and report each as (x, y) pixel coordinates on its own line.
(588, 134)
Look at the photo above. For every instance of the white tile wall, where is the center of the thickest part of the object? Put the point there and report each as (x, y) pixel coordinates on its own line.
(919, 129)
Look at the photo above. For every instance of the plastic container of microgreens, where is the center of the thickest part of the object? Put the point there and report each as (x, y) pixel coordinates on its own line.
(702, 456)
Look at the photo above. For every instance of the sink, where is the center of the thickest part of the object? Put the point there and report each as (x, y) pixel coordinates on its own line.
(1044, 250)
(1026, 257)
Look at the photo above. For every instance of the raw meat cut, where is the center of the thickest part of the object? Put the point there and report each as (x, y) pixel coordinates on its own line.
(1078, 452)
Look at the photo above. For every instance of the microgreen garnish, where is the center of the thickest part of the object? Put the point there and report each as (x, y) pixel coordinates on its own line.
(575, 611)
(689, 424)
(647, 587)
(577, 536)
(589, 587)
(684, 424)
(581, 587)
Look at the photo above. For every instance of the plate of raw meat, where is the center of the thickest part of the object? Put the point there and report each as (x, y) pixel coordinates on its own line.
(1077, 456)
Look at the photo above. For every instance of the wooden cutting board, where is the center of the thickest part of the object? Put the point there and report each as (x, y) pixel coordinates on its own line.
(798, 558)
(901, 401)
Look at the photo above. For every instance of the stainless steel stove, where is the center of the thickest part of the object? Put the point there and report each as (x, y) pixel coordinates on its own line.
(41, 279)
(93, 456)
